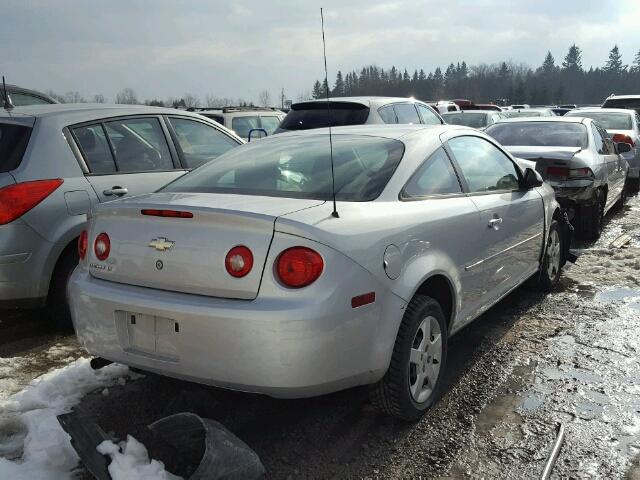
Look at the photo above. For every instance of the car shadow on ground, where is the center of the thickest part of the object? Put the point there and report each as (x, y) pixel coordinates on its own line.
(337, 435)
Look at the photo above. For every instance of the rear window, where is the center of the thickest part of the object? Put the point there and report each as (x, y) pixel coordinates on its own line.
(540, 134)
(13, 143)
(24, 99)
(300, 167)
(475, 120)
(304, 116)
(609, 121)
(630, 103)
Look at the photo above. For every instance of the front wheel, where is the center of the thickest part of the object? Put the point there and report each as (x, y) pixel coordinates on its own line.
(552, 260)
(412, 383)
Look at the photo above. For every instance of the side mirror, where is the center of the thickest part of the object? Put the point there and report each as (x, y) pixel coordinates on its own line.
(623, 147)
(254, 132)
(532, 179)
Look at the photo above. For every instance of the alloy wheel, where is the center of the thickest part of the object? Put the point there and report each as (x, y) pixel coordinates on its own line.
(425, 359)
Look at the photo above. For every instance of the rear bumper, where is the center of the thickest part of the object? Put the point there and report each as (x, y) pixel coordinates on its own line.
(304, 344)
(23, 256)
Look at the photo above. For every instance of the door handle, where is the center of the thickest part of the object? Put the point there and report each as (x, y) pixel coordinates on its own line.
(494, 222)
(115, 190)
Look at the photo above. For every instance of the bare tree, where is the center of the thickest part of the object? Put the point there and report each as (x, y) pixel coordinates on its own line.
(73, 97)
(127, 96)
(191, 101)
(302, 96)
(56, 96)
(264, 98)
(99, 98)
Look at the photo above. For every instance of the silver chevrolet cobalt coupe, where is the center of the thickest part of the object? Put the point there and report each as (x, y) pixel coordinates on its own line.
(240, 274)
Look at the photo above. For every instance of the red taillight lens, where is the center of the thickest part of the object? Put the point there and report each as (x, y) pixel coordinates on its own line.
(557, 171)
(102, 247)
(239, 261)
(166, 213)
(18, 199)
(298, 267)
(622, 138)
(83, 244)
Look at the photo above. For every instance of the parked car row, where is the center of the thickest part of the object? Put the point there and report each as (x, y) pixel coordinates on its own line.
(313, 260)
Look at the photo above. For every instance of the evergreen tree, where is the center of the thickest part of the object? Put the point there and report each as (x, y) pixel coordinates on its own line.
(325, 89)
(614, 64)
(549, 65)
(573, 59)
(635, 67)
(338, 88)
(317, 90)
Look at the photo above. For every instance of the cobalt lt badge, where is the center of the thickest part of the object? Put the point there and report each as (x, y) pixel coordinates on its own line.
(159, 264)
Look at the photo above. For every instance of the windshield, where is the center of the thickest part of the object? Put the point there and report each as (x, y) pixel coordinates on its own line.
(609, 121)
(475, 120)
(300, 167)
(540, 134)
(13, 143)
(304, 116)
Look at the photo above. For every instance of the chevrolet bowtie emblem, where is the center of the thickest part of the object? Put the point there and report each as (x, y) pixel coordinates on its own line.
(161, 244)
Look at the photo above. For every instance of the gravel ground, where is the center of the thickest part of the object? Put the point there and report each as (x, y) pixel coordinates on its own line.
(529, 363)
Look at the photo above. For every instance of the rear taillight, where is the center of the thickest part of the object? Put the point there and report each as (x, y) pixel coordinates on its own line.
(557, 171)
(239, 261)
(584, 172)
(298, 267)
(83, 244)
(18, 199)
(622, 138)
(102, 247)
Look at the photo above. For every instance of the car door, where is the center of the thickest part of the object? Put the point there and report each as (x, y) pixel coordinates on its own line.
(198, 142)
(126, 156)
(611, 163)
(510, 237)
(446, 219)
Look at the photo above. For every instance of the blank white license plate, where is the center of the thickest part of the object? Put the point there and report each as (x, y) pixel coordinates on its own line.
(150, 335)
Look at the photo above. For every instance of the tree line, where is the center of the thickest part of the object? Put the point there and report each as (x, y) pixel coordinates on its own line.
(502, 83)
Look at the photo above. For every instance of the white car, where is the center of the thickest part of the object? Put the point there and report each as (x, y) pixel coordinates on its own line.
(624, 127)
(242, 120)
(346, 111)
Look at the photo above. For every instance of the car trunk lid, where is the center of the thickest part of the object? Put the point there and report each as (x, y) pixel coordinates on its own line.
(187, 254)
(551, 162)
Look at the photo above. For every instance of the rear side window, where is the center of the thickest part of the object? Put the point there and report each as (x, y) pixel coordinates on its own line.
(304, 116)
(387, 114)
(13, 143)
(139, 145)
(406, 113)
(435, 177)
(95, 147)
(428, 117)
(242, 125)
(200, 143)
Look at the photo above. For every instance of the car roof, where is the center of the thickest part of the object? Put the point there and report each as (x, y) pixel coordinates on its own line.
(577, 111)
(622, 96)
(394, 132)
(563, 119)
(363, 100)
(69, 108)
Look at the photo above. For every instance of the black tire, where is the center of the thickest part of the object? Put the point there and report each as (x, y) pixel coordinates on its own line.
(591, 218)
(57, 300)
(547, 277)
(633, 185)
(392, 394)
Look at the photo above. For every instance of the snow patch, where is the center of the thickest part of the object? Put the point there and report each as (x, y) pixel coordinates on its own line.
(130, 459)
(46, 451)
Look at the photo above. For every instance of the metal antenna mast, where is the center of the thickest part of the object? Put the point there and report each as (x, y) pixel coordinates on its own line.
(326, 84)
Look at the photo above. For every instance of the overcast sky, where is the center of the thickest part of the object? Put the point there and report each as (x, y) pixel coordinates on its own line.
(163, 48)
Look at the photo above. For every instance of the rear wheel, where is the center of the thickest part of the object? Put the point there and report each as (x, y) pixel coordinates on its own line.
(58, 301)
(413, 381)
(633, 185)
(591, 218)
(552, 262)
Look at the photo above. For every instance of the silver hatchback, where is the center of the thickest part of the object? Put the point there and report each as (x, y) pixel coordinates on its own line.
(58, 161)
